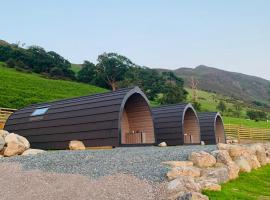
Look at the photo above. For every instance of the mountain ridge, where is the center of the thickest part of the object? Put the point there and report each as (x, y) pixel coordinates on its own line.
(251, 89)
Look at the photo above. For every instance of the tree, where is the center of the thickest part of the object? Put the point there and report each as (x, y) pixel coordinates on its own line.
(112, 68)
(197, 106)
(172, 94)
(257, 115)
(88, 72)
(237, 110)
(221, 106)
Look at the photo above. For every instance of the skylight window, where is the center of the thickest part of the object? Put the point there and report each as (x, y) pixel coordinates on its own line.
(40, 111)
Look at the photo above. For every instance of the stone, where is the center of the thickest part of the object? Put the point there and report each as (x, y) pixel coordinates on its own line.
(236, 151)
(243, 164)
(2, 143)
(235, 141)
(180, 185)
(183, 171)
(208, 183)
(14, 148)
(32, 152)
(192, 196)
(233, 170)
(202, 159)
(220, 173)
(253, 162)
(12, 137)
(162, 144)
(76, 145)
(178, 163)
(222, 146)
(222, 156)
(259, 151)
(202, 143)
(3, 133)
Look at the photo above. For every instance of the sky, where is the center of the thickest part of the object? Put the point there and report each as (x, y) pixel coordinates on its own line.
(233, 35)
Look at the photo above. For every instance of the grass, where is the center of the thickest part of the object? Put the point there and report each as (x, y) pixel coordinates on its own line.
(249, 186)
(246, 122)
(76, 68)
(18, 89)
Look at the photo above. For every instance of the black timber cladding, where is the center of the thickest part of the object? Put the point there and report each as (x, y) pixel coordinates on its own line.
(94, 119)
(208, 126)
(168, 122)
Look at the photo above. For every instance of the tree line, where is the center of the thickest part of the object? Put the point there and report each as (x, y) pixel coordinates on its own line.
(112, 71)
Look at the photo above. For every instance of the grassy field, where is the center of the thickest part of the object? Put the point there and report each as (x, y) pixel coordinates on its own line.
(19, 89)
(76, 67)
(246, 122)
(249, 186)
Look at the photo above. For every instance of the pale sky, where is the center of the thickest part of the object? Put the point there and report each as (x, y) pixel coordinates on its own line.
(232, 35)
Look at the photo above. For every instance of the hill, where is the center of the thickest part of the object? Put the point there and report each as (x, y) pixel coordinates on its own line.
(18, 89)
(251, 89)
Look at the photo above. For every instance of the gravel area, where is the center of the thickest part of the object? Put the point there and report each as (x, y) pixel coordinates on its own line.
(142, 162)
(33, 184)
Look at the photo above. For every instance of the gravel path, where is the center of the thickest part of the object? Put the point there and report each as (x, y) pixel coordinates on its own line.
(142, 162)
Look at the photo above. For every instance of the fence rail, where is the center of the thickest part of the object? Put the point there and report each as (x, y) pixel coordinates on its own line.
(245, 134)
(4, 115)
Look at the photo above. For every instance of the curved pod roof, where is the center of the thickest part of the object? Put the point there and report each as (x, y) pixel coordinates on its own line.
(97, 120)
(176, 124)
(212, 128)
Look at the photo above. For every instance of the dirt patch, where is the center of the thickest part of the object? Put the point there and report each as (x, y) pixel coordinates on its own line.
(34, 184)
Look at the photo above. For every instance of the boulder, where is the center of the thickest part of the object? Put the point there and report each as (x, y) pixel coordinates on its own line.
(222, 156)
(202, 159)
(208, 183)
(233, 170)
(180, 185)
(259, 150)
(3, 133)
(192, 196)
(2, 143)
(162, 144)
(243, 164)
(76, 145)
(220, 173)
(32, 152)
(12, 137)
(183, 171)
(237, 150)
(222, 146)
(253, 161)
(178, 163)
(14, 148)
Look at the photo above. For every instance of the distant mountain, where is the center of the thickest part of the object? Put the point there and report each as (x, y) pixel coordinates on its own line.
(248, 88)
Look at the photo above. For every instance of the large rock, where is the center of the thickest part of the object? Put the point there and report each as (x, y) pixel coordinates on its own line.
(162, 144)
(192, 196)
(76, 145)
(32, 152)
(222, 146)
(208, 183)
(220, 173)
(222, 156)
(16, 144)
(182, 184)
(237, 150)
(233, 170)
(183, 171)
(14, 148)
(243, 164)
(202, 159)
(3, 133)
(2, 143)
(178, 163)
(259, 151)
(253, 161)
(12, 137)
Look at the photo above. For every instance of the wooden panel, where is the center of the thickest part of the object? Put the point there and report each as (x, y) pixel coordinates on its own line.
(191, 128)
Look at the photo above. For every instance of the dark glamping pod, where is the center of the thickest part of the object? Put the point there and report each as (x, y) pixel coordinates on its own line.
(122, 117)
(212, 128)
(176, 124)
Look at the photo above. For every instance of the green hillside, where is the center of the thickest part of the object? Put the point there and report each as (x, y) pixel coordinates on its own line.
(19, 89)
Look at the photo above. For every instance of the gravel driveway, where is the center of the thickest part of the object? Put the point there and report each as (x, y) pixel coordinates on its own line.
(142, 162)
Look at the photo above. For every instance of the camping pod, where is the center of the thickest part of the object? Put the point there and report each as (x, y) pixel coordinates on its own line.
(176, 124)
(122, 117)
(212, 128)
